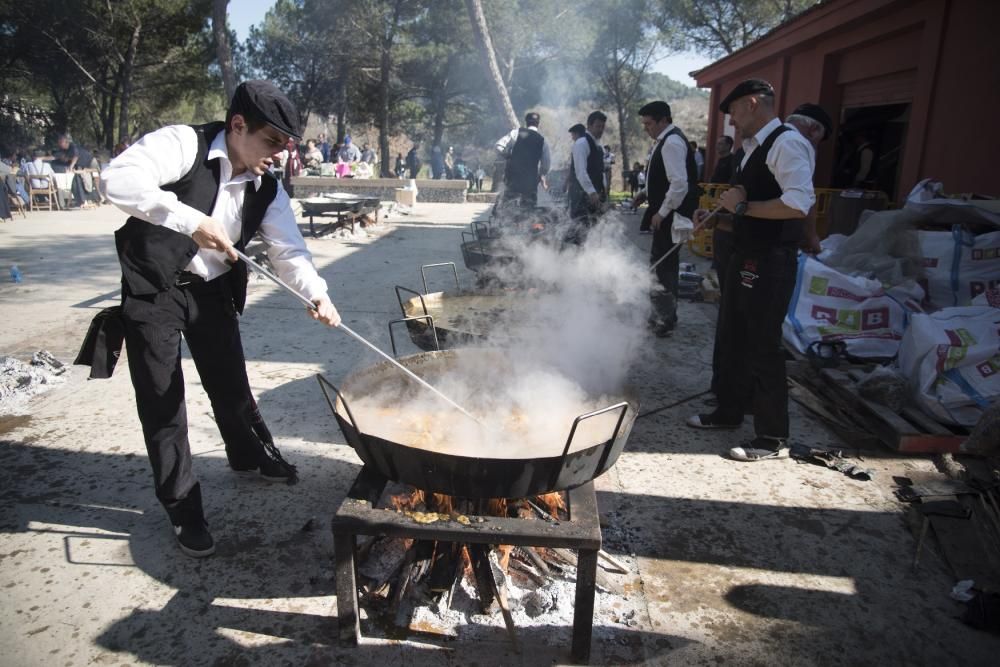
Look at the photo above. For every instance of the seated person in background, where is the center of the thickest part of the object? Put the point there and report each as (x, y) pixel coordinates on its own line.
(42, 168)
(69, 156)
(313, 157)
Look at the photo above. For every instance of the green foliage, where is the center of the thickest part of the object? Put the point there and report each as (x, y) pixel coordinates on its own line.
(721, 27)
(101, 66)
(413, 63)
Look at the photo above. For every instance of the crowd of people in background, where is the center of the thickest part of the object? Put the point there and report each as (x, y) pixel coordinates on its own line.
(25, 170)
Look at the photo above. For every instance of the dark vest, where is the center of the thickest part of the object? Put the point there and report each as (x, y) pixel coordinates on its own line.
(657, 184)
(521, 172)
(595, 170)
(153, 256)
(761, 185)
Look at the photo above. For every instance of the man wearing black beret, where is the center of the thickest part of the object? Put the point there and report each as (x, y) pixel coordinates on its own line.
(194, 194)
(672, 194)
(773, 195)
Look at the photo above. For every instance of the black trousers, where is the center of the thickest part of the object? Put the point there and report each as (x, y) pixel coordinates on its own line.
(667, 273)
(759, 285)
(723, 245)
(204, 314)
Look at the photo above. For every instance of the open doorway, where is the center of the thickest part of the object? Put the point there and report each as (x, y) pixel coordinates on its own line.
(870, 146)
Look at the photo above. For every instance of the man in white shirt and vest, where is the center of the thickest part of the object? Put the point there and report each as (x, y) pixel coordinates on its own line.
(773, 196)
(586, 175)
(194, 194)
(528, 160)
(671, 190)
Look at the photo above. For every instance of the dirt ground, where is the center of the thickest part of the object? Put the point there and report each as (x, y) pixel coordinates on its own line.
(774, 563)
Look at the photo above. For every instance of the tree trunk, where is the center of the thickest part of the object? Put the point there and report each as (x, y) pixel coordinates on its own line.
(127, 67)
(223, 49)
(385, 73)
(485, 44)
(440, 106)
(623, 156)
(341, 105)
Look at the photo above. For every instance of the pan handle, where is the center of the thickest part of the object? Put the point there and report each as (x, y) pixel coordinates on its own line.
(430, 321)
(325, 385)
(476, 227)
(475, 238)
(423, 275)
(623, 406)
(399, 297)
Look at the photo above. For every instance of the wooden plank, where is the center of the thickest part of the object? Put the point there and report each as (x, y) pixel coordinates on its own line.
(926, 423)
(846, 385)
(892, 429)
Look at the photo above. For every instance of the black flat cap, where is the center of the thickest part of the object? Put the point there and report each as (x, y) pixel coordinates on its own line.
(815, 112)
(656, 109)
(744, 88)
(271, 104)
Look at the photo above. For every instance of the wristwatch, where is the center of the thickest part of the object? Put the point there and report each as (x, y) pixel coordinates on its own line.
(740, 209)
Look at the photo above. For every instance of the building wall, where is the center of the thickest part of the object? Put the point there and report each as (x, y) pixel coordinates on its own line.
(938, 55)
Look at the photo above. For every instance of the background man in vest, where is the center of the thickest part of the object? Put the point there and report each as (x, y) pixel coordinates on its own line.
(773, 195)
(672, 194)
(194, 194)
(528, 161)
(586, 174)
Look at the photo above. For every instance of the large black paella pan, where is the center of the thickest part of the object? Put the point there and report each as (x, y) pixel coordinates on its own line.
(531, 445)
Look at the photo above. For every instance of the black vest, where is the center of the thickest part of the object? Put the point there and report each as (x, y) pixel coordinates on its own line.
(657, 184)
(521, 172)
(761, 185)
(153, 256)
(595, 170)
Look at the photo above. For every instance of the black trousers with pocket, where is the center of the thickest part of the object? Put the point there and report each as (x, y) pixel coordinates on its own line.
(667, 272)
(759, 286)
(203, 313)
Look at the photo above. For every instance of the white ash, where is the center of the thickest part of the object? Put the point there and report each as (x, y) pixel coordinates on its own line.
(20, 381)
(550, 606)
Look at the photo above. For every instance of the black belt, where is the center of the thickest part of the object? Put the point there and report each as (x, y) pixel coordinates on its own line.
(186, 279)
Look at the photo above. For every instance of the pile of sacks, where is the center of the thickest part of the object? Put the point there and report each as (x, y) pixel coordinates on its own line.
(926, 300)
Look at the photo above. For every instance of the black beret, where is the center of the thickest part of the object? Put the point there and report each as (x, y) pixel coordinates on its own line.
(272, 106)
(658, 109)
(744, 88)
(815, 112)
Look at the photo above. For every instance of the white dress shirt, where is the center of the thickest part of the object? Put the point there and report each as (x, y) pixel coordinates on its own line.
(791, 160)
(581, 151)
(506, 144)
(133, 181)
(41, 168)
(674, 154)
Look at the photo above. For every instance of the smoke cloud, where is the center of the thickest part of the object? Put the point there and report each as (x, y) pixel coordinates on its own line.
(575, 325)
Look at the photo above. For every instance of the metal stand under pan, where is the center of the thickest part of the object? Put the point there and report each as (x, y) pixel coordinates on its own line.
(357, 515)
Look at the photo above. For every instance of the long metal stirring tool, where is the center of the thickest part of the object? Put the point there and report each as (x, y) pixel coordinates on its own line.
(343, 327)
(677, 246)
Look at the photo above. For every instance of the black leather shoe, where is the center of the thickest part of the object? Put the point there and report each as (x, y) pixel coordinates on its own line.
(194, 539)
(272, 467)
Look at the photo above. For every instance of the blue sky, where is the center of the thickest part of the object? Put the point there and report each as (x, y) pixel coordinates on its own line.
(245, 13)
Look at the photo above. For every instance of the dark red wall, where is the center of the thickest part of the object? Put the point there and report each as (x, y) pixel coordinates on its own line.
(941, 56)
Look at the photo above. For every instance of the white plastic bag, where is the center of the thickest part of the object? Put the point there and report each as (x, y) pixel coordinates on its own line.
(951, 359)
(830, 306)
(959, 266)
